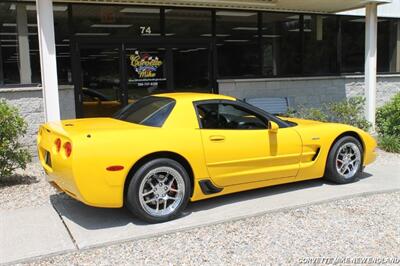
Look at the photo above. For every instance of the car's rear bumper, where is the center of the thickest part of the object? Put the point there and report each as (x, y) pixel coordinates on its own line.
(66, 180)
(79, 177)
(59, 175)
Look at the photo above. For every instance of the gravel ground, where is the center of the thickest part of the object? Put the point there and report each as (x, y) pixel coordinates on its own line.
(385, 158)
(367, 226)
(29, 187)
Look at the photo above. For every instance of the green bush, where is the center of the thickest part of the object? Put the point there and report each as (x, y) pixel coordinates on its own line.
(388, 117)
(12, 154)
(388, 125)
(309, 113)
(349, 111)
(389, 143)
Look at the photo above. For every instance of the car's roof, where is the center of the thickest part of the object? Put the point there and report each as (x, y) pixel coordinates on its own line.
(193, 96)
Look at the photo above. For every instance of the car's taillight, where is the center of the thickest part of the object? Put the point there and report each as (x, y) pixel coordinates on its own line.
(68, 149)
(58, 144)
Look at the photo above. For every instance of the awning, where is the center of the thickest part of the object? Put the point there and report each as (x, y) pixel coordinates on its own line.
(309, 6)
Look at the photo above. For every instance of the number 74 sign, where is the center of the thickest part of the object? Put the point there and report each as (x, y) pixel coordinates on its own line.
(145, 30)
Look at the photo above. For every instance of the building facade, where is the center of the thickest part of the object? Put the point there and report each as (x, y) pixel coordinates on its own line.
(90, 58)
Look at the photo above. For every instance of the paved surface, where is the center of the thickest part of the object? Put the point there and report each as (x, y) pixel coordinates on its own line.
(32, 232)
(91, 227)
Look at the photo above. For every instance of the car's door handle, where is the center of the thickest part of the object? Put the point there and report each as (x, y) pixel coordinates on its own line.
(217, 138)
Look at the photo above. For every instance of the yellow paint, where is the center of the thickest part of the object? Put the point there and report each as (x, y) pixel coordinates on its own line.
(235, 160)
(245, 156)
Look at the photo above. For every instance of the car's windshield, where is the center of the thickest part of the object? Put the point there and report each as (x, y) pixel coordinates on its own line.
(148, 111)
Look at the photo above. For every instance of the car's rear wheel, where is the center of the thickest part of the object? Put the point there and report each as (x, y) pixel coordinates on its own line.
(345, 159)
(158, 191)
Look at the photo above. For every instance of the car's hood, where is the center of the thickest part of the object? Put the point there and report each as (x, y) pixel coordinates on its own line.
(301, 121)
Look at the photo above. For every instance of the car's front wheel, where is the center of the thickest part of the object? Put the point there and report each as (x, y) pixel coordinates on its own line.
(158, 191)
(344, 162)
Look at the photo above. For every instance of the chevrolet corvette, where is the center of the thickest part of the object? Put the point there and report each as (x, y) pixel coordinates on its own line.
(157, 154)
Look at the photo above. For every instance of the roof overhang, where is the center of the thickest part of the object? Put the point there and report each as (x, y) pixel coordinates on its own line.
(309, 6)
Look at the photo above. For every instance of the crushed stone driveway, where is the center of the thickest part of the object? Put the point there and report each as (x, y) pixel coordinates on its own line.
(356, 228)
(64, 225)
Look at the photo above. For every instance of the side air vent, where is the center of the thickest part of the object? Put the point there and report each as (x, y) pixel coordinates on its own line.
(316, 154)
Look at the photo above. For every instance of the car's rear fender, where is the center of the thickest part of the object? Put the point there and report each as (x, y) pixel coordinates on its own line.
(157, 155)
(128, 148)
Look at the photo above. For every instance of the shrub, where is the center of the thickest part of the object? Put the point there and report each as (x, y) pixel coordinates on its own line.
(389, 143)
(309, 113)
(388, 125)
(12, 127)
(388, 117)
(349, 111)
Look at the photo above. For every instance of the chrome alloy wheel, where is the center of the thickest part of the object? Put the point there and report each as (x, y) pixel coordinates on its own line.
(348, 160)
(161, 191)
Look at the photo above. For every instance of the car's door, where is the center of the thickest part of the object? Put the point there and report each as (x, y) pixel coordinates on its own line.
(239, 147)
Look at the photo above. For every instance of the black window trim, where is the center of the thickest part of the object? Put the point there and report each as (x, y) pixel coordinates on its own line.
(242, 105)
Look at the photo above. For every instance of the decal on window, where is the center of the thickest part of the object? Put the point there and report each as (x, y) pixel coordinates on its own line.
(145, 65)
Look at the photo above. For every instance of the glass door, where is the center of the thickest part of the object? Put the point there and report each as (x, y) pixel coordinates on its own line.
(168, 68)
(100, 93)
(146, 71)
(109, 76)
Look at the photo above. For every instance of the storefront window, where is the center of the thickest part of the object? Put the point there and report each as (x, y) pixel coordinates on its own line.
(353, 44)
(237, 44)
(63, 40)
(190, 76)
(19, 55)
(388, 37)
(281, 44)
(187, 23)
(246, 44)
(320, 45)
(111, 21)
(100, 73)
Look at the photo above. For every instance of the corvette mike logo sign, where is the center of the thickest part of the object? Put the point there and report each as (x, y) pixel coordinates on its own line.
(145, 65)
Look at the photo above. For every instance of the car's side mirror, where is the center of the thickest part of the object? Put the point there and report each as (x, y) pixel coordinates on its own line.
(273, 127)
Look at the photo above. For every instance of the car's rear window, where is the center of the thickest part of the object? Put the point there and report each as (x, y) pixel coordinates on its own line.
(148, 111)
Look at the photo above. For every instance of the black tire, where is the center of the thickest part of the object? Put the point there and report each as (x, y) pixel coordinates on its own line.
(132, 197)
(331, 171)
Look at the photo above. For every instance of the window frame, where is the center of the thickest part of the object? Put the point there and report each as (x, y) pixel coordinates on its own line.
(265, 116)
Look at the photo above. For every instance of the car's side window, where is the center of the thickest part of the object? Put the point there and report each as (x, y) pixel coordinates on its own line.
(228, 116)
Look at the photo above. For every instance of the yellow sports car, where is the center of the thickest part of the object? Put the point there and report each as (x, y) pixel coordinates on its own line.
(160, 152)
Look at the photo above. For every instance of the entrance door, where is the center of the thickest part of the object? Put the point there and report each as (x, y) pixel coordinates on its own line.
(146, 71)
(172, 68)
(112, 76)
